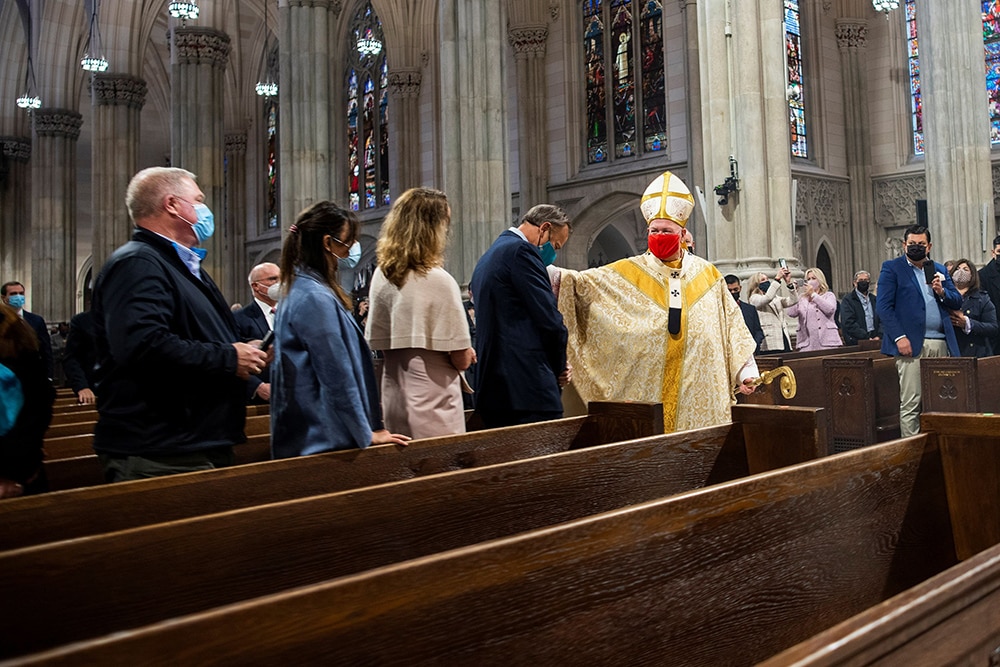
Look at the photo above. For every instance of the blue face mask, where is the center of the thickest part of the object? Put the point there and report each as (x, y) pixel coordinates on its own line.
(353, 256)
(205, 226)
(16, 301)
(548, 253)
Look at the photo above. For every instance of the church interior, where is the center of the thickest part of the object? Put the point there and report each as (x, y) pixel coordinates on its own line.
(812, 130)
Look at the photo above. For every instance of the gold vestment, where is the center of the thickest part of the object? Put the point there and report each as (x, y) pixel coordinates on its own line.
(620, 348)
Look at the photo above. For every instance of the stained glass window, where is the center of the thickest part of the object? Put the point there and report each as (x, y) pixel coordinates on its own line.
(991, 40)
(367, 113)
(625, 87)
(796, 84)
(916, 99)
(271, 156)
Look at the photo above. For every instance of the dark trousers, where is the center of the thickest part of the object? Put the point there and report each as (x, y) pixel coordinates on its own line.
(515, 417)
(124, 468)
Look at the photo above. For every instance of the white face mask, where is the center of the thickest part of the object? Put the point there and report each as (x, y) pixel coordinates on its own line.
(274, 292)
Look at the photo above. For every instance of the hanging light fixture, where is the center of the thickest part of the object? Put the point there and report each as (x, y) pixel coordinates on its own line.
(184, 10)
(94, 63)
(369, 45)
(267, 87)
(29, 100)
(885, 6)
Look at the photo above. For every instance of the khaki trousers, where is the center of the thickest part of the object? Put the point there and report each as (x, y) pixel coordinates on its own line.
(909, 384)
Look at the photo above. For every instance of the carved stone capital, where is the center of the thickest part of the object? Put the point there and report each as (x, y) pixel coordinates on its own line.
(852, 34)
(405, 83)
(822, 202)
(895, 199)
(333, 5)
(201, 45)
(528, 41)
(15, 148)
(684, 4)
(57, 123)
(554, 10)
(236, 143)
(118, 90)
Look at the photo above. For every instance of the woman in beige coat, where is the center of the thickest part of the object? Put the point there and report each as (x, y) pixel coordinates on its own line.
(416, 319)
(771, 309)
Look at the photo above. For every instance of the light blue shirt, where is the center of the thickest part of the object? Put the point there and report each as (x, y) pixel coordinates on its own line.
(866, 303)
(933, 326)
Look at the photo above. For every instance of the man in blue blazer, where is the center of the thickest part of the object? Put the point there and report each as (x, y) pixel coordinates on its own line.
(915, 318)
(520, 335)
(12, 294)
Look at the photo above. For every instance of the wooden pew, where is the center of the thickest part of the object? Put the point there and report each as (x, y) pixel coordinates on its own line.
(808, 370)
(271, 548)
(960, 384)
(729, 574)
(82, 443)
(954, 617)
(863, 399)
(87, 511)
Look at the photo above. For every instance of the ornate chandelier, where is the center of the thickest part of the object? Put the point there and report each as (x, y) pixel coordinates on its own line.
(369, 44)
(95, 63)
(267, 88)
(183, 10)
(885, 6)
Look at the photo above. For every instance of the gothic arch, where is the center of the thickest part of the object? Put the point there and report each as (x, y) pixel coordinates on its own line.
(593, 218)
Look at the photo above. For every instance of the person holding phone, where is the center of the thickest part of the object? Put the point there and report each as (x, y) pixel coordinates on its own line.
(916, 295)
(815, 309)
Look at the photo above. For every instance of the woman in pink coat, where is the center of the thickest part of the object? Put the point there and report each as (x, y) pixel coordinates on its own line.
(815, 309)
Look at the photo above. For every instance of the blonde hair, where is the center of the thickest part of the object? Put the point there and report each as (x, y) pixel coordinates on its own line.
(414, 235)
(756, 281)
(821, 277)
(147, 189)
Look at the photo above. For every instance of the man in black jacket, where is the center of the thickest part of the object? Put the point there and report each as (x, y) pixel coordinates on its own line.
(80, 356)
(13, 295)
(989, 280)
(171, 372)
(858, 318)
(750, 316)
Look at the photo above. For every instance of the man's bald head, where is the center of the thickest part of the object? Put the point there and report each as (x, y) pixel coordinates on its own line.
(261, 278)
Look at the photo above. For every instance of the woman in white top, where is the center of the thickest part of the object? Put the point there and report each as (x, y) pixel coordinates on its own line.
(771, 309)
(416, 319)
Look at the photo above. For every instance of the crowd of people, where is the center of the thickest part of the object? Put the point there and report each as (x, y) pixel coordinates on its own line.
(170, 366)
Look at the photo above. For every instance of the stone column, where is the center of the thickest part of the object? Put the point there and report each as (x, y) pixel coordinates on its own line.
(533, 163)
(53, 214)
(956, 128)
(235, 216)
(746, 116)
(474, 156)
(15, 210)
(696, 148)
(852, 37)
(309, 152)
(117, 101)
(404, 129)
(198, 64)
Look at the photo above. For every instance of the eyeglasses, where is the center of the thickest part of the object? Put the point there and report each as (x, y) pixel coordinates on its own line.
(346, 245)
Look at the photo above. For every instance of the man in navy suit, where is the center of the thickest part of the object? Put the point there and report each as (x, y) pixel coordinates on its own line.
(750, 316)
(12, 294)
(915, 318)
(520, 335)
(256, 319)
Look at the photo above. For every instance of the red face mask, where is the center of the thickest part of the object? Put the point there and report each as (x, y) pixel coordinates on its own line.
(664, 246)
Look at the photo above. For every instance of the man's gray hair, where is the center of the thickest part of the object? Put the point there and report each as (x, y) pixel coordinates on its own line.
(858, 274)
(540, 213)
(147, 189)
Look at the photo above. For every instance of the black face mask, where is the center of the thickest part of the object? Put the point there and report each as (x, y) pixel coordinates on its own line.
(764, 286)
(916, 252)
(736, 295)
(863, 286)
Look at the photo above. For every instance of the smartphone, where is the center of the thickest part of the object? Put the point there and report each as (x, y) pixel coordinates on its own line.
(782, 263)
(929, 271)
(268, 339)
